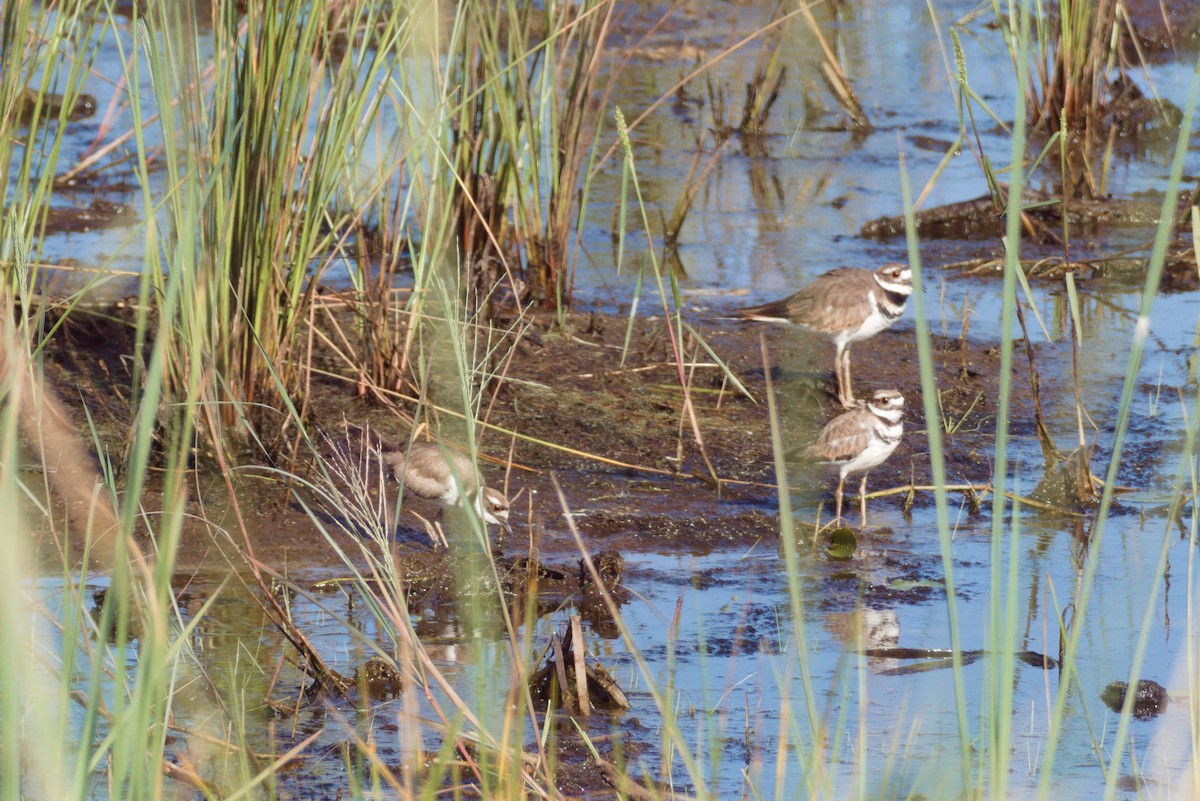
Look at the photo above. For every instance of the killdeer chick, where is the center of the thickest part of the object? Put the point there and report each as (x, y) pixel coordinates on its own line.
(860, 439)
(846, 305)
(428, 471)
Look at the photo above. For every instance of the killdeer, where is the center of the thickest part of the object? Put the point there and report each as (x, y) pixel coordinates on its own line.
(428, 471)
(860, 439)
(846, 305)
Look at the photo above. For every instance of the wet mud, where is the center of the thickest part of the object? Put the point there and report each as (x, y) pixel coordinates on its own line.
(613, 434)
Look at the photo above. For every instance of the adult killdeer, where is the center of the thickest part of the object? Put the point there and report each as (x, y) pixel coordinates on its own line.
(846, 305)
(429, 471)
(860, 439)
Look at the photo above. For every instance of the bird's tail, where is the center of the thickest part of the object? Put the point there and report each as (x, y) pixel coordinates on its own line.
(773, 312)
(366, 437)
(807, 451)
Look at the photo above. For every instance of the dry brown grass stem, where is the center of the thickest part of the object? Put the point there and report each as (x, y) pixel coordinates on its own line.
(981, 490)
(90, 160)
(1049, 449)
(688, 410)
(365, 382)
(625, 785)
(647, 368)
(71, 268)
(508, 432)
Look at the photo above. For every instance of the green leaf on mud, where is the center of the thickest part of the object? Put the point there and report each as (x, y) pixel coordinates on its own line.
(842, 544)
(904, 585)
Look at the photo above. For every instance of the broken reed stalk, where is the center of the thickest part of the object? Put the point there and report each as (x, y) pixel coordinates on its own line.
(691, 188)
(1049, 450)
(670, 93)
(834, 75)
(581, 679)
(560, 673)
(762, 91)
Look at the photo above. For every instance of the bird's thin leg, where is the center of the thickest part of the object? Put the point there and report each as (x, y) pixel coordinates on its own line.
(862, 497)
(837, 496)
(837, 375)
(842, 366)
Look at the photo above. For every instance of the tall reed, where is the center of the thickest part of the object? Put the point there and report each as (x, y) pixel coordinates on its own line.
(47, 51)
(262, 146)
(89, 696)
(1073, 54)
(524, 121)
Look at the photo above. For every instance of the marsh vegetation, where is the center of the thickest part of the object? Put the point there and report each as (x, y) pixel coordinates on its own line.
(515, 231)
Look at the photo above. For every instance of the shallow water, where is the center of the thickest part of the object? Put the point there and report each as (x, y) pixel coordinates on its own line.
(761, 227)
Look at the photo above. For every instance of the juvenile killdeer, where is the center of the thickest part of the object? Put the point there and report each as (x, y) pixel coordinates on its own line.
(429, 471)
(860, 439)
(846, 305)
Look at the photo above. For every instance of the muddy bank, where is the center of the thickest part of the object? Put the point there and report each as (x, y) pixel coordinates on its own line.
(1043, 218)
(614, 433)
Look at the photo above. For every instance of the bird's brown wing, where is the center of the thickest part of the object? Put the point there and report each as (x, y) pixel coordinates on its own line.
(425, 471)
(844, 437)
(835, 301)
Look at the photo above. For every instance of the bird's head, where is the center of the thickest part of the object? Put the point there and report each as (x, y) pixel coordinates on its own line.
(887, 403)
(493, 507)
(896, 278)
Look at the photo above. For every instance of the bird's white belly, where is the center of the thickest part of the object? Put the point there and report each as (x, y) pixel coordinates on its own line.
(876, 452)
(871, 326)
(450, 497)
(876, 321)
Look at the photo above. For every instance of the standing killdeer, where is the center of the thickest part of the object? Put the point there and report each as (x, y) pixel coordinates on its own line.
(860, 439)
(429, 471)
(846, 305)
